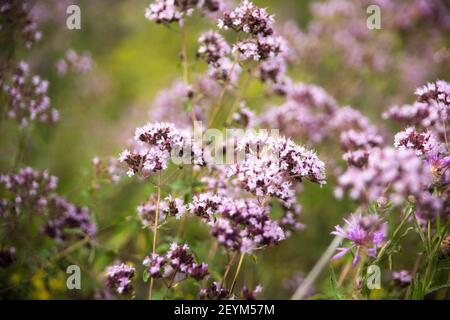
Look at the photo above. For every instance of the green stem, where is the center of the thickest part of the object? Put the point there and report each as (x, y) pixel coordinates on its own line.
(155, 231)
(233, 284)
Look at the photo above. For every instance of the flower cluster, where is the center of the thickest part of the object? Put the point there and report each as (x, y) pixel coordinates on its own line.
(395, 174)
(177, 264)
(358, 144)
(212, 47)
(260, 48)
(34, 191)
(309, 113)
(17, 24)
(168, 11)
(430, 111)
(243, 225)
(30, 189)
(225, 70)
(244, 117)
(27, 98)
(153, 144)
(289, 220)
(273, 164)
(248, 294)
(168, 207)
(215, 291)
(365, 233)
(423, 143)
(401, 278)
(248, 18)
(119, 278)
(66, 216)
(205, 205)
(107, 170)
(74, 62)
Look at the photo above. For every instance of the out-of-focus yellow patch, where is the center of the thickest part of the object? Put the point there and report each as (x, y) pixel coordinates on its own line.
(39, 291)
(57, 283)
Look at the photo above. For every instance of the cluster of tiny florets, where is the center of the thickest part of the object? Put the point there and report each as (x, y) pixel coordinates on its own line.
(27, 98)
(212, 47)
(395, 173)
(17, 22)
(423, 143)
(243, 225)
(74, 62)
(177, 263)
(30, 189)
(119, 278)
(248, 18)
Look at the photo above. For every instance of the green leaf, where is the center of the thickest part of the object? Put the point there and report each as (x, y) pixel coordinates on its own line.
(431, 290)
(145, 276)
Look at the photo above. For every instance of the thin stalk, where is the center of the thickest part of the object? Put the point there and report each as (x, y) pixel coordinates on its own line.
(227, 270)
(73, 247)
(394, 235)
(344, 273)
(233, 284)
(184, 61)
(317, 269)
(238, 98)
(218, 103)
(155, 230)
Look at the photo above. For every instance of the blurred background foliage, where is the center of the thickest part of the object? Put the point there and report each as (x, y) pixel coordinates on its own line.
(133, 60)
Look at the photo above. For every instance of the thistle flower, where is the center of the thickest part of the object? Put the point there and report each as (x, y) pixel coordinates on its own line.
(27, 98)
(178, 264)
(7, 256)
(401, 278)
(365, 233)
(213, 292)
(119, 278)
(212, 47)
(248, 18)
(423, 143)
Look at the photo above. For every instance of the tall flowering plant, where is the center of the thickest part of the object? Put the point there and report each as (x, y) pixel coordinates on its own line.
(217, 181)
